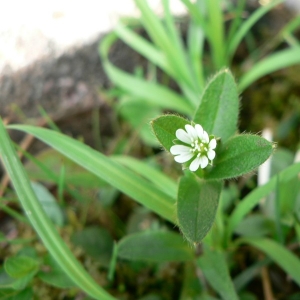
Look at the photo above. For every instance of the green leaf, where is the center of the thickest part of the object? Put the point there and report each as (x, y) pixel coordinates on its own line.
(272, 63)
(288, 261)
(240, 155)
(195, 47)
(164, 39)
(219, 106)
(25, 294)
(115, 174)
(214, 265)
(158, 178)
(7, 282)
(48, 203)
(191, 287)
(247, 24)
(215, 34)
(41, 223)
(197, 206)
(253, 198)
(156, 246)
(165, 127)
(152, 92)
(20, 266)
(144, 47)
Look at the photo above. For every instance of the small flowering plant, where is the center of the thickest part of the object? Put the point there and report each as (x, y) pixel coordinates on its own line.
(210, 151)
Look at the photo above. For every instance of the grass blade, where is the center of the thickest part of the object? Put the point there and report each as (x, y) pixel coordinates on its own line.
(144, 47)
(272, 63)
(148, 91)
(165, 41)
(195, 48)
(252, 199)
(246, 26)
(215, 33)
(113, 173)
(42, 224)
(167, 185)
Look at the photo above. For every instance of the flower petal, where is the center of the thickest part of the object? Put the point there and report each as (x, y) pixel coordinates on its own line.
(194, 166)
(205, 138)
(182, 158)
(191, 131)
(183, 136)
(199, 130)
(203, 162)
(179, 149)
(211, 154)
(212, 144)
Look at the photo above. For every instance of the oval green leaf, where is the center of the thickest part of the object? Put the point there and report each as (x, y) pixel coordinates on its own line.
(20, 266)
(240, 155)
(156, 246)
(219, 107)
(164, 128)
(197, 206)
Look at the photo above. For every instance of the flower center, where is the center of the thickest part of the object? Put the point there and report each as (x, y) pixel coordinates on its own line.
(198, 147)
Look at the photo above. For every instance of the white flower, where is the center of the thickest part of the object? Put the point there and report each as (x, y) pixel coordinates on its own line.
(195, 145)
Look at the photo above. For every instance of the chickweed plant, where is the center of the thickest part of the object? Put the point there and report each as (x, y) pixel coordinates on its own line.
(202, 221)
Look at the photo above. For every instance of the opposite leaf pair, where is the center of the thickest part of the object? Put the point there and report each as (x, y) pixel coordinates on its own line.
(232, 156)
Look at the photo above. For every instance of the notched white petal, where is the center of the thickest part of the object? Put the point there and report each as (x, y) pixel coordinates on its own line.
(182, 158)
(211, 154)
(194, 166)
(212, 144)
(203, 162)
(191, 131)
(199, 130)
(183, 136)
(205, 137)
(179, 149)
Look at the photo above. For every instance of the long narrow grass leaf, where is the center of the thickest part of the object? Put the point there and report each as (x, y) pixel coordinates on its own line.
(215, 33)
(246, 26)
(42, 224)
(148, 91)
(171, 28)
(144, 47)
(195, 13)
(252, 199)
(272, 63)
(167, 185)
(195, 41)
(160, 37)
(113, 173)
(237, 19)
